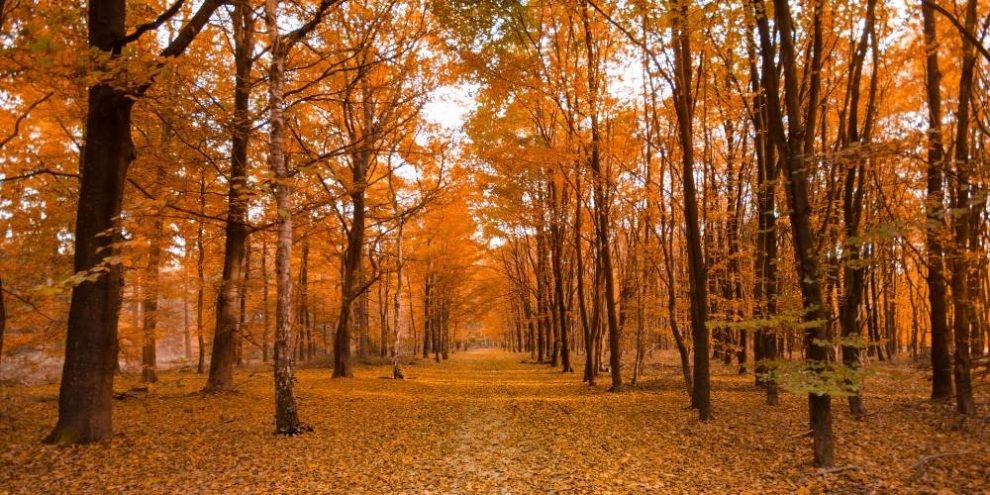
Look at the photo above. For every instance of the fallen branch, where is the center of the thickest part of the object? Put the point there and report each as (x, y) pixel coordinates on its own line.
(925, 459)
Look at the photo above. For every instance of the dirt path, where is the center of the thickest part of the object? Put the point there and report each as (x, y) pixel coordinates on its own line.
(483, 422)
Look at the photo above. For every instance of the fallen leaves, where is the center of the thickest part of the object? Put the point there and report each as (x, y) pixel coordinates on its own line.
(484, 423)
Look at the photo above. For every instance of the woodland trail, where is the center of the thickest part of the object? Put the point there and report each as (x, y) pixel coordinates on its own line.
(485, 422)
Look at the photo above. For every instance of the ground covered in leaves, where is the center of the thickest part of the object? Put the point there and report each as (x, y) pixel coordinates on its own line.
(485, 422)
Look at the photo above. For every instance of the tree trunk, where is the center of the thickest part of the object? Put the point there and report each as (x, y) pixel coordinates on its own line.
(396, 368)
(186, 331)
(242, 297)
(342, 366)
(557, 236)
(698, 273)
(935, 211)
(86, 390)
(961, 304)
(223, 355)
(765, 349)
(85, 393)
(286, 415)
(601, 180)
(201, 282)
(149, 304)
(3, 326)
(852, 207)
(264, 297)
(796, 166)
(302, 318)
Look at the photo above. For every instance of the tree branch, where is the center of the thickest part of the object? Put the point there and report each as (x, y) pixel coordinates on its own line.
(970, 37)
(20, 119)
(294, 37)
(150, 26)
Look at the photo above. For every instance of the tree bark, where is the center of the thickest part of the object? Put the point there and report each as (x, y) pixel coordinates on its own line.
(223, 354)
(852, 207)
(149, 304)
(264, 297)
(350, 290)
(792, 143)
(697, 273)
(961, 303)
(201, 282)
(935, 212)
(601, 184)
(3, 326)
(86, 390)
(286, 414)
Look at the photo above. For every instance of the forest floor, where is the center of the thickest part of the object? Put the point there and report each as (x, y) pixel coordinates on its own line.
(485, 422)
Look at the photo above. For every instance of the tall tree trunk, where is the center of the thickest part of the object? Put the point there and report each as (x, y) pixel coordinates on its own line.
(223, 355)
(697, 273)
(86, 390)
(765, 349)
(961, 303)
(360, 310)
(601, 206)
(589, 341)
(352, 266)
(852, 208)
(302, 319)
(286, 415)
(186, 330)
(383, 321)
(935, 212)
(557, 237)
(792, 144)
(397, 306)
(242, 297)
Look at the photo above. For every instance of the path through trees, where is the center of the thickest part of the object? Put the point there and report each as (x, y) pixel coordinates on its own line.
(484, 422)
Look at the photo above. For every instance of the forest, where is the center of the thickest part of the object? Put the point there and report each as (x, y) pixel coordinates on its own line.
(495, 246)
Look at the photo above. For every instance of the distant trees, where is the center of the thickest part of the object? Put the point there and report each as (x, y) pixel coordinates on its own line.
(782, 119)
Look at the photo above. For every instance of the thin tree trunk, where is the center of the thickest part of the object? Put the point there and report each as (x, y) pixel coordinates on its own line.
(149, 304)
(852, 203)
(601, 182)
(201, 282)
(397, 298)
(286, 414)
(186, 330)
(264, 297)
(697, 275)
(350, 291)
(3, 326)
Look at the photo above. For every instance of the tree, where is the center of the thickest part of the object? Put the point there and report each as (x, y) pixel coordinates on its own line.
(91, 344)
(286, 415)
(697, 274)
(935, 211)
(791, 144)
(221, 375)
